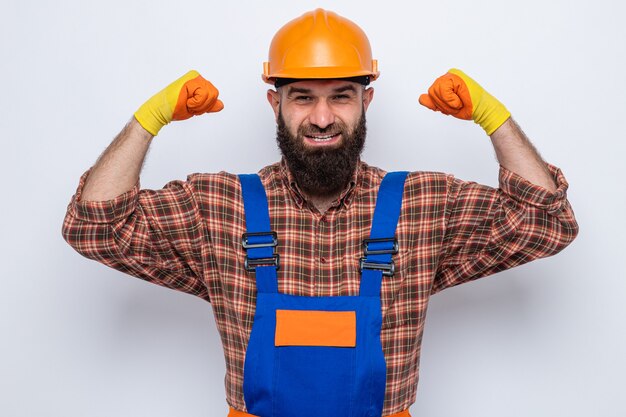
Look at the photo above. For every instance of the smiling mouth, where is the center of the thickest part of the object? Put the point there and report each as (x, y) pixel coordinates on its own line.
(322, 138)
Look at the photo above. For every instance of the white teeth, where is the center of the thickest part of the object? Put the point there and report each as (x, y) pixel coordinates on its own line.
(321, 138)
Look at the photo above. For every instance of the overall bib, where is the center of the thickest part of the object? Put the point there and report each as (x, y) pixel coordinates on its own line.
(317, 356)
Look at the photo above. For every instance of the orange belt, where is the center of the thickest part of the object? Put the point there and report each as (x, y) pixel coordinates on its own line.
(235, 413)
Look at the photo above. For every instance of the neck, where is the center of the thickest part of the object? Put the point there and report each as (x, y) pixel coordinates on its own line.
(322, 201)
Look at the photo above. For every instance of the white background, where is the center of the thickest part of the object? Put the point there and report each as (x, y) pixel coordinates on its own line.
(78, 339)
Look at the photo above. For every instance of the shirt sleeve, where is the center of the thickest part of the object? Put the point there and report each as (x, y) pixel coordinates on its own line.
(155, 235)
(489, 230)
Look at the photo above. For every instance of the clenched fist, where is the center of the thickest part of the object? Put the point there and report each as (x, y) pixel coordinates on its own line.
(188, 96)
(456, 94)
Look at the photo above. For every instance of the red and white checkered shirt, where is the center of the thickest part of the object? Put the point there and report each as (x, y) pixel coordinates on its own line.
(187, 236)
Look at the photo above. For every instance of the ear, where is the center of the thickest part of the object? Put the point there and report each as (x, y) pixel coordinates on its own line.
(273, 97)
(368, 96)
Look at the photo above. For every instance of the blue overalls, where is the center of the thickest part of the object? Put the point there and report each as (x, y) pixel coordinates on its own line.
(317, 356)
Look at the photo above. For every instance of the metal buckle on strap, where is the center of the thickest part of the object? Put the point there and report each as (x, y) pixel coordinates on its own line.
(247, 245)
(251, 264)
(388, 269)
(392, 251)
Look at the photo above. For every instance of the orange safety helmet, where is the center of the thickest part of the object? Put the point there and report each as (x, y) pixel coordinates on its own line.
(320, 44)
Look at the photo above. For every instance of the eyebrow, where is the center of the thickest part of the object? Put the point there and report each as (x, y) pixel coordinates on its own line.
(300, 90)
(349, 87)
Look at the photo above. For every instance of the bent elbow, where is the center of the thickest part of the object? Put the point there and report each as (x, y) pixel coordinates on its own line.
(73, 234)
(568, 232)
(560, 232)
(85, 238)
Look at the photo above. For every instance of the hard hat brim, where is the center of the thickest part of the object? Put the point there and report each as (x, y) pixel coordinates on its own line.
(318, 73)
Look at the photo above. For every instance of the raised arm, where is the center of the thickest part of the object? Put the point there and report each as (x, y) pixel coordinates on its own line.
(155, 235)
(458, 95)
(489, 230)
(117, 169)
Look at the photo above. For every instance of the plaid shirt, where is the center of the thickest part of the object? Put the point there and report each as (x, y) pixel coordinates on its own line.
(187, 236)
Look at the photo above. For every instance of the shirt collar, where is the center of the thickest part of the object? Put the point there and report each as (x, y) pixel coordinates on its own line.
(299, 198)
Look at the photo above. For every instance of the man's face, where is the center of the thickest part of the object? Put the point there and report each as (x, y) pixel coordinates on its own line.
(321, 131)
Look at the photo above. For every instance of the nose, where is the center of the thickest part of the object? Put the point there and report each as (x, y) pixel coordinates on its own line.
(321, 115)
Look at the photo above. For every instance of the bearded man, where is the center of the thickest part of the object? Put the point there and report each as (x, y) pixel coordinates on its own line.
(319, 269)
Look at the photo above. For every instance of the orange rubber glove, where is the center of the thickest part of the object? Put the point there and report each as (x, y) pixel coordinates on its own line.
(456, 94)
(188, 96)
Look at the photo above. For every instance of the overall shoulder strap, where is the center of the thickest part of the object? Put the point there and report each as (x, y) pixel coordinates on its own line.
(259, 241)
(382, 244)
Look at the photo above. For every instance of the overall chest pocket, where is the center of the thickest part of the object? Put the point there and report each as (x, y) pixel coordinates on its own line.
(314, 362)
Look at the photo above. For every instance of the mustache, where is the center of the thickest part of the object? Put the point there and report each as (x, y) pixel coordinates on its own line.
(331, 129)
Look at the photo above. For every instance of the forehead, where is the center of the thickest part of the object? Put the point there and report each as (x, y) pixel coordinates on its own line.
(321, 87)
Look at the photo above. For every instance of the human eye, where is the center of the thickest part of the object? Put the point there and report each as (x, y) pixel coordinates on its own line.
(342, 98)
(302, 98)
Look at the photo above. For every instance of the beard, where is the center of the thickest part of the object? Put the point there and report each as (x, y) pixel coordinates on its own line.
(322, 171)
